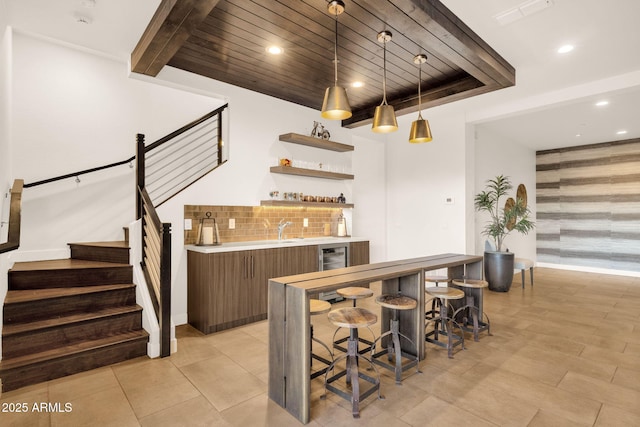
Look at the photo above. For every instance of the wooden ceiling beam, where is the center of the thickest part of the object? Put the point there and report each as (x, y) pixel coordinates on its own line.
(170, 27)
(461, 88)
(463, 46)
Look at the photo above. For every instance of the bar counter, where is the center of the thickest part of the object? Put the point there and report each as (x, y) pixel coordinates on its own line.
(289, 322)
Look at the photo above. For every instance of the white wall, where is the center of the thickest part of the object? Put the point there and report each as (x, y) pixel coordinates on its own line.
(5, 117)
(370, 191)
(5, 132)
(420, 177)
(497, 156)
(74, 110)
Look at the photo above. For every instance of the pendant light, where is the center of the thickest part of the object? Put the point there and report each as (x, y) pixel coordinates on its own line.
(384, 118)
(420, 130)
(336, 104)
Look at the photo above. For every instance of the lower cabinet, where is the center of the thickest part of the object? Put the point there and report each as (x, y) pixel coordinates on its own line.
(358, 253)
(229, 289)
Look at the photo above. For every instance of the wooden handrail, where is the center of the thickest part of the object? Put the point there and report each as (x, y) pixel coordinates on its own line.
(15, 213)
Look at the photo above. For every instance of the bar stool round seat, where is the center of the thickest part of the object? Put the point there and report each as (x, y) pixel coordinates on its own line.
(395, 303)
(317, 307)
(472, 317)
(444, 293)
(441, 294)
(470, 283)
(428, 280)
(352, 318)
(443, 323)
(436, 279)
(354, 293)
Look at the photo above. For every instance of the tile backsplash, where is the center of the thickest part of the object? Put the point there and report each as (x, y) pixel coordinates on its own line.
(261, 222)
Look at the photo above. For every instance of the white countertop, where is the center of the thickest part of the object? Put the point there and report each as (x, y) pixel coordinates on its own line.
(269, 244)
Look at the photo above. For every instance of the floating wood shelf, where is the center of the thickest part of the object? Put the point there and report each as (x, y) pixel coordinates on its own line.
(304, 204)
(289, 170)
(311, 141)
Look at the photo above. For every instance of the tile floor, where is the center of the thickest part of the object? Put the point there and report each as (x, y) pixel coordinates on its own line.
(563, 353)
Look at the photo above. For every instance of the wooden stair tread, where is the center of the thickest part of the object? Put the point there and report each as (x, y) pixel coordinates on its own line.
(34, 358)
(18, 328)
(19, 296)
(62, 264)
(115, 244)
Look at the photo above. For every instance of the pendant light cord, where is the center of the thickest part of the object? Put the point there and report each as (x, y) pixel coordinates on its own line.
(420, 91)
(335, 50)
(384, 73)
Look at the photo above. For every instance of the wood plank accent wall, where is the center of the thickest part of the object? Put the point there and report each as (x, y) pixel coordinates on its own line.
(588, 205)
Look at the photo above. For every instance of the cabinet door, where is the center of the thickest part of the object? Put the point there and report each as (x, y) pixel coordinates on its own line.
(359, 253)
(270, 263)
(231, 275)
(262, 265)
(297, 260)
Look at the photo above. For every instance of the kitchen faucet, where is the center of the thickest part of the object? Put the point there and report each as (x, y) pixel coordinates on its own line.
(281, 226)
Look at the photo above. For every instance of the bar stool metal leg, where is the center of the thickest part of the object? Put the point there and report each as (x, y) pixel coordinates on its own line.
(344, 318)
(394, 349)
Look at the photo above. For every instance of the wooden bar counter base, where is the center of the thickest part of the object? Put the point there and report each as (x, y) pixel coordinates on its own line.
(289, 323)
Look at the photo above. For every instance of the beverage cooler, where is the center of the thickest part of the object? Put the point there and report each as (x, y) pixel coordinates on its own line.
(330, 257)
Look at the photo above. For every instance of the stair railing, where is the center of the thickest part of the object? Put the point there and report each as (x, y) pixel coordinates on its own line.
(156, 267)
(163, 169)
(15, 213)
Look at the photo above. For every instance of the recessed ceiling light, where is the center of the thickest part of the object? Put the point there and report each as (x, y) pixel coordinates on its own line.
(578, 135)
(357, 84)
(565, 49)
(621, 132)
(275, 50)
(602, 103)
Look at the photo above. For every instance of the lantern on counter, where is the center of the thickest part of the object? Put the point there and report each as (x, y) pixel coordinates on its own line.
(208, 234)
(342, 226)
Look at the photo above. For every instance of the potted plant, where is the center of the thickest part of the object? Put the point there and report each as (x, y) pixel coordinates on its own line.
(514, 215)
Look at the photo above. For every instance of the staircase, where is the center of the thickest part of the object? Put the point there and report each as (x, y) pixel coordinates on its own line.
(72, 315)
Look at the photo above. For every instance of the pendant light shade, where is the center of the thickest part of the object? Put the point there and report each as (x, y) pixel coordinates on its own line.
(420, 130)
(336, 104)
(384, 117)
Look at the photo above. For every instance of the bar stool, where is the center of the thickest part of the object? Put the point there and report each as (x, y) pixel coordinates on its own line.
(473, 305)
(395, 303)
(442, 319)
(316, 307)
(437, 280)
(352, 318)
(354, 293)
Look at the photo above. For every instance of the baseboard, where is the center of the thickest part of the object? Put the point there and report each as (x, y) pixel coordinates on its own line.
(589, 269)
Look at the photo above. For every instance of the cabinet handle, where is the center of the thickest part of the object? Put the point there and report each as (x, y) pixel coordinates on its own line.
(244, 270)
(252, 268)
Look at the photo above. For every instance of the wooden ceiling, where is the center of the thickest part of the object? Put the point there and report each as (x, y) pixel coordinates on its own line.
(226, 40)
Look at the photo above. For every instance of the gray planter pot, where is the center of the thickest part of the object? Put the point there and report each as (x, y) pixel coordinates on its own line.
(498, 270)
